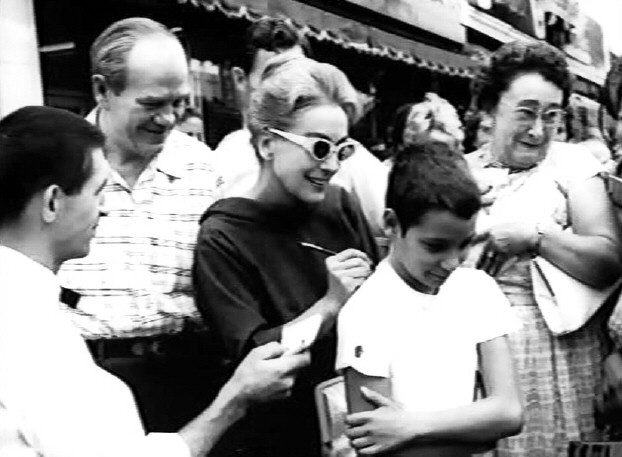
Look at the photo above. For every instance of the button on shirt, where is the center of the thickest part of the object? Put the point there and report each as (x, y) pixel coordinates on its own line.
(54, 400)
(136, 281)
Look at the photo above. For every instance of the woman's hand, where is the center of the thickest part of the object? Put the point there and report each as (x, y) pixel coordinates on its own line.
(346, 272)
(513, 238)
(386, 428)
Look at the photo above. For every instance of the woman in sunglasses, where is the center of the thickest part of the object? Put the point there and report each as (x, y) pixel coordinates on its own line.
(545, 199)
(293, 248)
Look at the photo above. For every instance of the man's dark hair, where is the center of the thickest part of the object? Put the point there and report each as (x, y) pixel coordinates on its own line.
(41, 146)
(472, 121)
(611, 92)
(273, 34)
(398, 125)
(430, 175)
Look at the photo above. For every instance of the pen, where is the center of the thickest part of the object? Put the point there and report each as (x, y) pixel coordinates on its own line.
(316, 248)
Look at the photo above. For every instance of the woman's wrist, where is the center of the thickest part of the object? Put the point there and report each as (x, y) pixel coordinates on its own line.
(331, 305)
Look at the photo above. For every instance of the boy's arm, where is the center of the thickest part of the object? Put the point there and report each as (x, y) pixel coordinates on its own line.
(497, 416)
(357, 402)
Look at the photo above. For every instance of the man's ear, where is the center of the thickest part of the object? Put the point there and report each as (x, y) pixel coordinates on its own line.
(265, 146)
(241, 90)
(492, 114)
(101, 90)
(391, 224)
(239, 78)
(51, 203)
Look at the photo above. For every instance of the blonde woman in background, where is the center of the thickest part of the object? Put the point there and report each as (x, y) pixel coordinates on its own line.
(434, 116)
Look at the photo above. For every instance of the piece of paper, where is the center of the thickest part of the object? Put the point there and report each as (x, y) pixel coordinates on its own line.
(566, 303)
(299, 336)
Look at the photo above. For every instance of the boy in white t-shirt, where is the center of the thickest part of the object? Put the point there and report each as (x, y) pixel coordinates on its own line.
(414, 334)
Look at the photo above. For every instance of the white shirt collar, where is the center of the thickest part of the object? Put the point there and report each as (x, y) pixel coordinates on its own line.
(19, 262)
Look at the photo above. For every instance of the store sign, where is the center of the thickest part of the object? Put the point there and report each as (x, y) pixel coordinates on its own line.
(441, 17)
(587, 43)
(518, 13)
(584, 41)
(566, 9)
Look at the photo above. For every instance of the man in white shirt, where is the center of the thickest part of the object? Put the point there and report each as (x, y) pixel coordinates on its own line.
(362, 175)
(54, 400)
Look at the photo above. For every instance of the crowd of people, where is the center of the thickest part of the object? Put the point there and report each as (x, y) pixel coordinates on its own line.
(154, 291)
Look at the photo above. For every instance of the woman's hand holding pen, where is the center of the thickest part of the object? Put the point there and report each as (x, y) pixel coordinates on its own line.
(346, 272)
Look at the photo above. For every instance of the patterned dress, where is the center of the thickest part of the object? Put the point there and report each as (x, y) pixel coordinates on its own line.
(558, 375)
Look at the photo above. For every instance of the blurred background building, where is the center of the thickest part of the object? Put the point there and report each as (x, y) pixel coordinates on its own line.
(393, 51)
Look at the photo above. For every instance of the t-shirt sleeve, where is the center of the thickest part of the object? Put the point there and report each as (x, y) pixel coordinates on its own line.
(226, 295)
(493, 312)
(361, 343)
(573, 164)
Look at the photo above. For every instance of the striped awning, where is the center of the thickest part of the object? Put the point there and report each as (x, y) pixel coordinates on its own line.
(346, 33)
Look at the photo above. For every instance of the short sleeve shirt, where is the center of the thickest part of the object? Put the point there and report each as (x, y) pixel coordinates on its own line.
(425, 344)
(136, 280)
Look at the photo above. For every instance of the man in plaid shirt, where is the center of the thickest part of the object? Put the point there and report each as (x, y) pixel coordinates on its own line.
(136, 301)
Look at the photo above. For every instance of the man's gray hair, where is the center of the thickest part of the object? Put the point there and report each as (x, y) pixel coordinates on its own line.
(110, 49)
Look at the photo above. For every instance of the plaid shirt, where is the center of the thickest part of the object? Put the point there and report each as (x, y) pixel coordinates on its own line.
(137, 280)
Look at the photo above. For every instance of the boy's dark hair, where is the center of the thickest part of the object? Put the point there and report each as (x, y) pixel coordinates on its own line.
(41, 146)
(430, 175)
(273, 34)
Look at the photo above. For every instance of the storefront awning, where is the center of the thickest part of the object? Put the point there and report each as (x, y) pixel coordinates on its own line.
(324, 26)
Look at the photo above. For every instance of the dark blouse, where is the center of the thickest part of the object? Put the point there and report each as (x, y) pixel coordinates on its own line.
(252, 276)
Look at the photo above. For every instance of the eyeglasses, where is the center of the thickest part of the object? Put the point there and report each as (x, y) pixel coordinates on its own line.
(318, 148)
(526, 117)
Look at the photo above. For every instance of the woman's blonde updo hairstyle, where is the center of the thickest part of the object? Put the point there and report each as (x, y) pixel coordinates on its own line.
(290, 85)
(443, 116)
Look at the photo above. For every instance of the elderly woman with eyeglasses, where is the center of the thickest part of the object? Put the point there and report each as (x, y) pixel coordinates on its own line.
(292, 248)
(543, 198)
